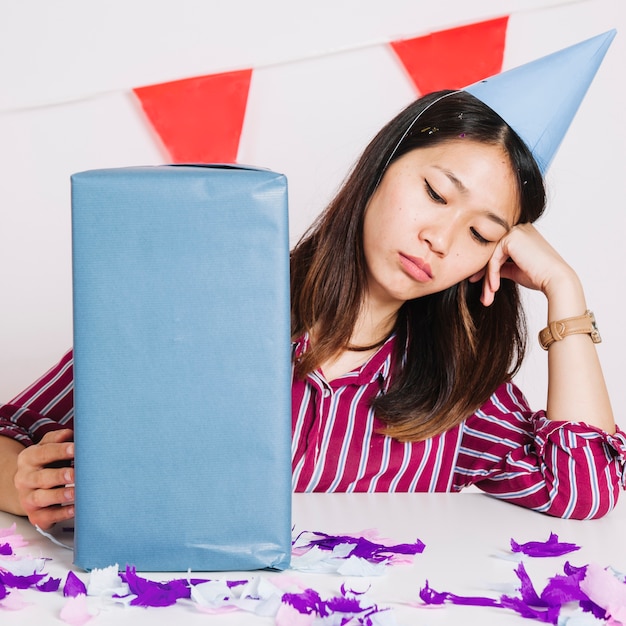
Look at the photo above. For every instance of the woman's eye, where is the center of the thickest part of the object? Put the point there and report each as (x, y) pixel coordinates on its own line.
(433, 194)
(478, 237)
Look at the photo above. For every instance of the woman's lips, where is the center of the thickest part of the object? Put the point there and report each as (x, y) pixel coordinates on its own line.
(416, 268)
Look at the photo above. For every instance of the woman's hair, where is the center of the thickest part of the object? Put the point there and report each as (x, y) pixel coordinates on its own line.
(451, 352)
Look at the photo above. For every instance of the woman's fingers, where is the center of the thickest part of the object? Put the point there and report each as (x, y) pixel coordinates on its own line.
(45, 479)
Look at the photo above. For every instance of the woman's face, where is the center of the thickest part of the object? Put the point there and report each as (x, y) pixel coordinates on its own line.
(436, 217)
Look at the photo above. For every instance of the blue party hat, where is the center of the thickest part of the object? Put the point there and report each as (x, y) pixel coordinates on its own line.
(539, 99)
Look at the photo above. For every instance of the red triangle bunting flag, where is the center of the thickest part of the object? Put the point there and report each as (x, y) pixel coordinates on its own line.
(454, 58)
(199, 120)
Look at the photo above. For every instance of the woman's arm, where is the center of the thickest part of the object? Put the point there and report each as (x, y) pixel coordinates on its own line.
(576, 388)
(9, 451)
(36, 432)
(565, 469)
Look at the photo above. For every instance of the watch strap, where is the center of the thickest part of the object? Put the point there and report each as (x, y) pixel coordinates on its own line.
(582, 324)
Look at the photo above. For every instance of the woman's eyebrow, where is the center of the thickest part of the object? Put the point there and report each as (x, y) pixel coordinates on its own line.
(453, 179)
(498, 220)
(463, 189)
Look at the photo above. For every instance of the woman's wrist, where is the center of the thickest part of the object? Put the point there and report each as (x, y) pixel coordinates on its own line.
(565, 295)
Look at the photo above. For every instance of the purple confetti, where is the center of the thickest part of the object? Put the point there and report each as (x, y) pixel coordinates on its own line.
(199, 581)
(306, 602)
(74, 586)
(20, 582)
(531, 605)
(352, 607)
(544, 607)
(231, 584)
(565, 588)
(548, 616)
(350, 610)
(52, 584)
(364, 548)
(345, 591)
(552, 547)
(341, 604)
(156, 594)
(527, 589)
(587, 605)
(429, 596)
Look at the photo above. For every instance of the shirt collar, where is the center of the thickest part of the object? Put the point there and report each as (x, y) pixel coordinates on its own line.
(379, 364)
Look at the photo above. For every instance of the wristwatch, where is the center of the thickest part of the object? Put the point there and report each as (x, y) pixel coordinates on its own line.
(581, 325)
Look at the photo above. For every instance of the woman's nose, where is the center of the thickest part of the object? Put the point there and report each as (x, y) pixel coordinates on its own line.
(439, 236)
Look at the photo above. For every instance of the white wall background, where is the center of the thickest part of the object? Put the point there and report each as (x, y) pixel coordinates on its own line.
(67, 68)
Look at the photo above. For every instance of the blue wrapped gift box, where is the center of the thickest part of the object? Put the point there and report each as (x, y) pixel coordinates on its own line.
(182, 368)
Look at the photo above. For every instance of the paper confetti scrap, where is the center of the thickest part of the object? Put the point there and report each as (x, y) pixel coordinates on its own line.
(349, 555)
(606, 591)
(595, 591)
(429, 596)
(150, 593)
(309, 608)
(552, 547)
(593, 595)
(9, 579)
(75, 611)
(360, 546)
(13, 601)
(9, 536)
(74, 586)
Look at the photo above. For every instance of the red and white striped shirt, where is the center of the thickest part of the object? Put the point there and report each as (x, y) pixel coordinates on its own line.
(561, 468)
(565, 469)
(48, 404)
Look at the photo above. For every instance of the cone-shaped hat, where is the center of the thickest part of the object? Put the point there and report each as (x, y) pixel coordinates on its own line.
(539, 99)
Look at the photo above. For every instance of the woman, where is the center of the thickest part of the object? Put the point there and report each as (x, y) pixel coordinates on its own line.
(407, 329)
(414, 289)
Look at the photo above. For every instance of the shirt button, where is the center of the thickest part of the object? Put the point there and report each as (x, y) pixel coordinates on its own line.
(326, 392)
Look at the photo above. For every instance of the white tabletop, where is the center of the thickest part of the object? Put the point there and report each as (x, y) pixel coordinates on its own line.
(467, 552)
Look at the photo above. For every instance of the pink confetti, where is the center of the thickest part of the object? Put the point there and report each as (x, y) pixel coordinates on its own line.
(605, 590)
(75, 611)
(13, 601)
(289, 616)
(9, 536)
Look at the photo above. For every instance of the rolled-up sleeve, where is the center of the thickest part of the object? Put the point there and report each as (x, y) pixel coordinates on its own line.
(565, 469)
(46, 405)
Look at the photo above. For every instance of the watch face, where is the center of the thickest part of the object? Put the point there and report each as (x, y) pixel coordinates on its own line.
(595, 333)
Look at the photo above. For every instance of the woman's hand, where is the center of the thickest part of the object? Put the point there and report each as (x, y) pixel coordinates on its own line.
(576, 388)
(45, 481)
(524, 256)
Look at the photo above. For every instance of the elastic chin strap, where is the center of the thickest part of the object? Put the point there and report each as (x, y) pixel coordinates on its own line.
(408, 130)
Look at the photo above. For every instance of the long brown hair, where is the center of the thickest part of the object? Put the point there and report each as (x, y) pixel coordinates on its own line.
(451, 352)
